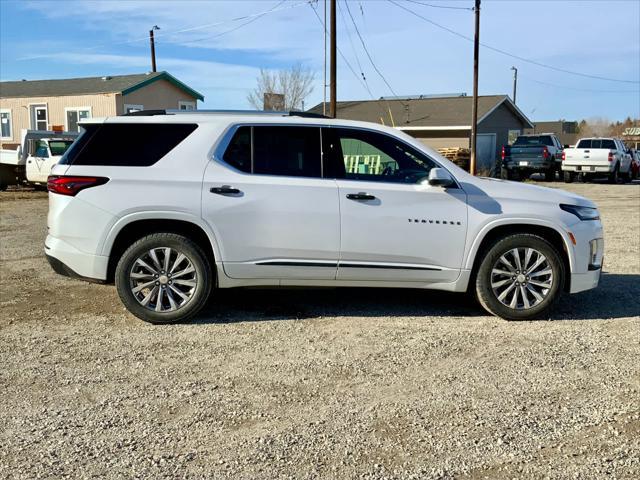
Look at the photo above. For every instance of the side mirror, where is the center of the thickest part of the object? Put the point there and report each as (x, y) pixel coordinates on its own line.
(439, 177)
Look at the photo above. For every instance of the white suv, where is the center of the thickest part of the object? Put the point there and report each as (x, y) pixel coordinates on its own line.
(171, 205)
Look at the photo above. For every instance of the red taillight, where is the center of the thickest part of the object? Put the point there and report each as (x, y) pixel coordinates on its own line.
(72, 185)
(545, 153)
(610, 157)
(564, 156)
(503, 154)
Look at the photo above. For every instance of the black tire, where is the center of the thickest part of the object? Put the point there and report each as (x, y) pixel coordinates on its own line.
(181, 244)
(504, 174)
(613, 176)
(567, 177)
(550, 174)
(3, 186)
(489, 300)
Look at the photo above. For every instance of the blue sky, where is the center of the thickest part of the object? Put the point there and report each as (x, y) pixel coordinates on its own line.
(201, 44)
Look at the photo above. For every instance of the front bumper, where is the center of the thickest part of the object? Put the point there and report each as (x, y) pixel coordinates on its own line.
(585, 281)
(68, 260)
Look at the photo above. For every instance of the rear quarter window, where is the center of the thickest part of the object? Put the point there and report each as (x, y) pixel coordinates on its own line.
(126, 144)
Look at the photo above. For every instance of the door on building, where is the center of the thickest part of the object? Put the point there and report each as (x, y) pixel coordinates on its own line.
(486, 151)
(39, 117)
(74, 115)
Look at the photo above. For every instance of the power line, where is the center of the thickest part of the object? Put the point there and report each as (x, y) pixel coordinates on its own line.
(364, 46)
(529, 79)
(533, 62)
(470, 9)
(251, 20)
(344, 59)
(355, 53)
(183, 30)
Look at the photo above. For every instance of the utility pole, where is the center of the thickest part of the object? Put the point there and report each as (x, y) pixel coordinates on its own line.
(153, 47)
(474, 112)
(324, 80)
(333, 67)
(515, 82)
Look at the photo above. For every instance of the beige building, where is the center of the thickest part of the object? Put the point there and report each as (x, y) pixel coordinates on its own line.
(60, 104)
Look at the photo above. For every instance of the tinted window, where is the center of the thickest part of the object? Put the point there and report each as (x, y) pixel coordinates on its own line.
(597, 143)
(58, 147)
(238, 153)
(127, 145)
(534, 140)
(290, 151)
(372, 156)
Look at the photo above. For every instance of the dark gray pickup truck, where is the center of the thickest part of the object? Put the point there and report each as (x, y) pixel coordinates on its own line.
(539, 153)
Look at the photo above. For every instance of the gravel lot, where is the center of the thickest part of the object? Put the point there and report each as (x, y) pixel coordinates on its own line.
(321, 383)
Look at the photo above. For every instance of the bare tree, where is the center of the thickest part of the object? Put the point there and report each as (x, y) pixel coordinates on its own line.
(295, 83)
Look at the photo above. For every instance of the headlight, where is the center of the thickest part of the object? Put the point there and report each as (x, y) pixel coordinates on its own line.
(583, 213)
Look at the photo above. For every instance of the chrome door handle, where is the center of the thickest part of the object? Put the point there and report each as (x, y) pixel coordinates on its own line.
(225, 190)
(360, 196)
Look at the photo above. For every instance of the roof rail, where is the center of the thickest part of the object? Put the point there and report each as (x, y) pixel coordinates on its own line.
(145, 113)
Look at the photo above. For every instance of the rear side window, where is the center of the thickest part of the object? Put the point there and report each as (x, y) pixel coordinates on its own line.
(288, 151)
(276, 150)
(238, 153)
(126, 144)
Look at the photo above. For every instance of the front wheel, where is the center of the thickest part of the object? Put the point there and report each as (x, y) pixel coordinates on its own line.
(164, 278)
(520, 277)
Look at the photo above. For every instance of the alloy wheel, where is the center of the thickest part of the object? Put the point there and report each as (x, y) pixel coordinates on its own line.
(521, 278)
(163, 279)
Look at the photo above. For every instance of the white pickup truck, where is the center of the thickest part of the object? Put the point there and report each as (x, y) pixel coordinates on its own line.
(32, 162)
(594, 157)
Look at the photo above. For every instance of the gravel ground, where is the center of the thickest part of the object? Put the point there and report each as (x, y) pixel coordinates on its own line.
(321, 383)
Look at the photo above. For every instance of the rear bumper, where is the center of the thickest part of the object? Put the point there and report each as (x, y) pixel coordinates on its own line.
(586, 168)
(68, 260)
(530, 165)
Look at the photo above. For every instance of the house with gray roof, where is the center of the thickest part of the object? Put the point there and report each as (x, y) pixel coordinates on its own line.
(60, 104)
(443, 121)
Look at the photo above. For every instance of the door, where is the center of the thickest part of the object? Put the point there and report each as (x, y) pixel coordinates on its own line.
(39, 164)
(394, 225)
(273, 213)
(486, 146)
(39, 120)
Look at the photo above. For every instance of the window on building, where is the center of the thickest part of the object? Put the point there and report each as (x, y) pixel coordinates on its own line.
(6, 127)
(74, 115)
(183, 105)
(513, 134)
(39, 120)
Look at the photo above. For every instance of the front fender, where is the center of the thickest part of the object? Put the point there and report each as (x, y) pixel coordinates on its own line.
(489, 226)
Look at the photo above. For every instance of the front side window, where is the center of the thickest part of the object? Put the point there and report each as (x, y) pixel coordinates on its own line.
(41, 150)
(373, 156)
(5, 124)
(276, 150)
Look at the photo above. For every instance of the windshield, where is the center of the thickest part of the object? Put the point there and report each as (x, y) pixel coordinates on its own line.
(58, 147)
(533, 140)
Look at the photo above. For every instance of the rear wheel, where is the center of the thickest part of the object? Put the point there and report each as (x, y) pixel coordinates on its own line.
(550, 174)
(567, 177)
(520, 277)
(164, 278)
(504, 174)
(614, 176)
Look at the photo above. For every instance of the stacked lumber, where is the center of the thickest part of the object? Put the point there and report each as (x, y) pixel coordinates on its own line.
(458, 155)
